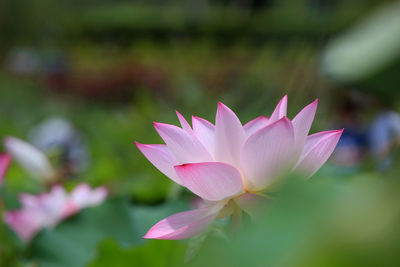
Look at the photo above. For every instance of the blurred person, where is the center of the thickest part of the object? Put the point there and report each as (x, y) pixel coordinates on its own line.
(56, 69)
(352, 147)
(23, 61)
(384, 136)
(58, 138)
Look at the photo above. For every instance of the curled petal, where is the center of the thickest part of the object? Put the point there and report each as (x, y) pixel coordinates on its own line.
(5, 161)
(185, 147)
(162, 158)
(317, 150)
(184, 224)
(280, 110)
(185, 125)
(205, 132)
(229, 136)
(211, 181)
(255, 125)
(31, 159)
(267, 154)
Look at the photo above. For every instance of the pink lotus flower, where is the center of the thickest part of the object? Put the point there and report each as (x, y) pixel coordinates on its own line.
(229, 165)
(48, 209)
(5, 161)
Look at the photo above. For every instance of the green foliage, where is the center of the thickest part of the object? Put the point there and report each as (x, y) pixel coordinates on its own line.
(149, 253)
(74, 242)
(160, 253)
(318, 223)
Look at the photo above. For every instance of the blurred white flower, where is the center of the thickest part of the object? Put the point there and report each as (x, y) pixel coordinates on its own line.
(34, 161)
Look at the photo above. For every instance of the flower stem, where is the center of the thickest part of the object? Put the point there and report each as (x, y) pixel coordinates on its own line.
(237, 219)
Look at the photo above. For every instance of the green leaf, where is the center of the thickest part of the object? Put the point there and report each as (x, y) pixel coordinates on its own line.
(195, 244)
(73, 242)
(147, 216)
(161, 253)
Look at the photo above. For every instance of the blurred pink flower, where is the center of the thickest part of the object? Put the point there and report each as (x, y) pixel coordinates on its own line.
(5, 161)
(229, 165)
(48, 209)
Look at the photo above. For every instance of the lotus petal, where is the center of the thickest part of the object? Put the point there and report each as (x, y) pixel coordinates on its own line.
(162, 158)
(229, 136)
(317, 150)
(280, 110)
(255, 125)
(267, 154)
(205, 133)
(184, 224)
(185, 147)
(211, 181)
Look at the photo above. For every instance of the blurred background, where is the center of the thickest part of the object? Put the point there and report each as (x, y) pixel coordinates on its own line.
(83, 80)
